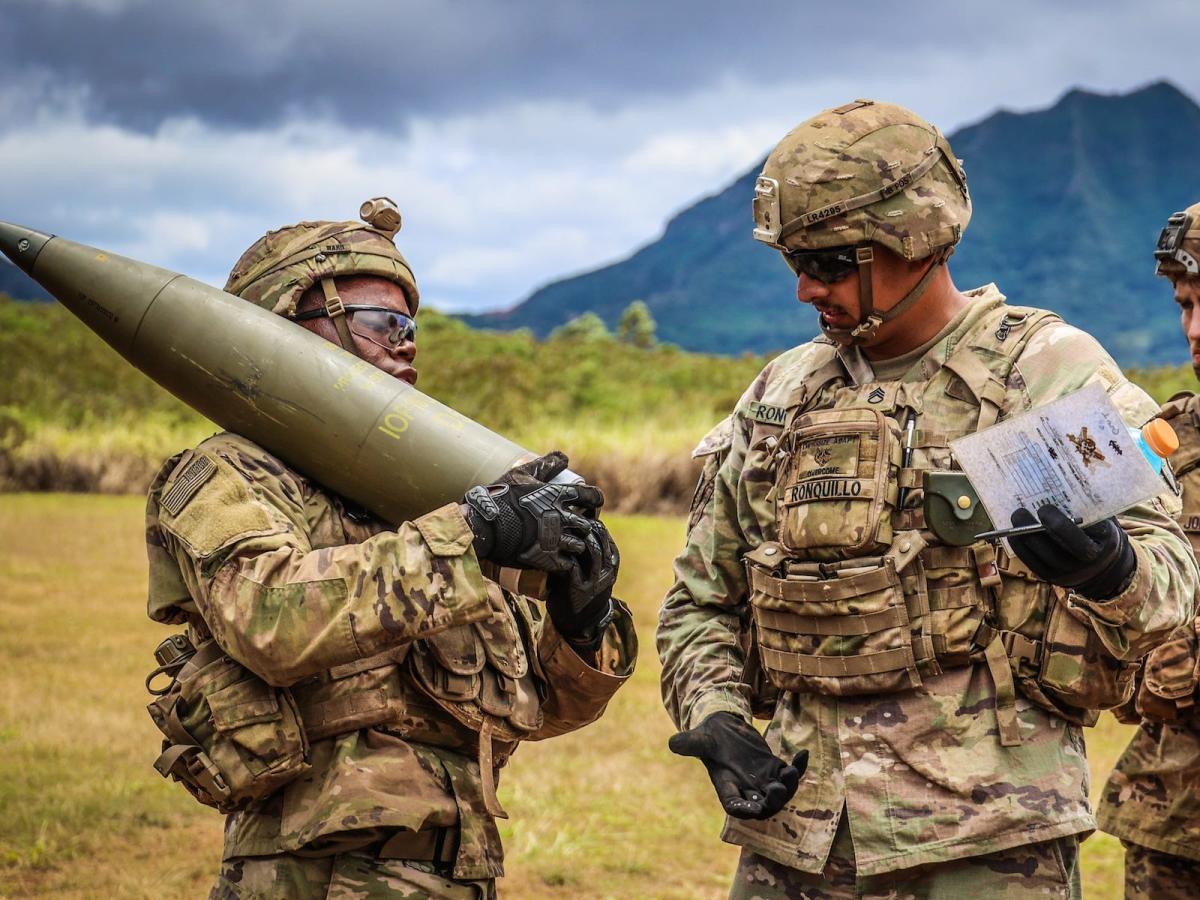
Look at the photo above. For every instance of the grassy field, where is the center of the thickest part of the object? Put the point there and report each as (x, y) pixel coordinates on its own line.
(603, 813)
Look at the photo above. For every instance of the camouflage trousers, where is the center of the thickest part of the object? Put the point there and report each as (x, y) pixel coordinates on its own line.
(346, 876)
(1151, 874)
(1042, 870)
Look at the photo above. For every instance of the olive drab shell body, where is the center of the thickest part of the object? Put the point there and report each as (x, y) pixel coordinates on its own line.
(332, 416)
(865, 171)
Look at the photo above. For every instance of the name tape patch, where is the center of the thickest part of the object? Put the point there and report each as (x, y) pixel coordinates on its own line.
(198, 471)
(766, 413)
(827, 489)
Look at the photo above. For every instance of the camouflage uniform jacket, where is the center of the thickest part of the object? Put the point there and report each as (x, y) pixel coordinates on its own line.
(921, 773)
(1152, 797)
(301, 588)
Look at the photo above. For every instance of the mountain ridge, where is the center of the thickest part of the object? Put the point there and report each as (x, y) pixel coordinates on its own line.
(1068, 202)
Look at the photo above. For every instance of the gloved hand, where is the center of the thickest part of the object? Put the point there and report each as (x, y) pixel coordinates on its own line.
(751, 781)
(1096, 561)
(524, 522)
(537, 471)
(580, 600)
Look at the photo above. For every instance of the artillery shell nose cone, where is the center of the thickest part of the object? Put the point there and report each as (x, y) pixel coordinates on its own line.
(22, 245)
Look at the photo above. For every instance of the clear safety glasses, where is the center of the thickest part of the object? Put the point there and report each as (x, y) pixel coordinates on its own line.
(375, 323)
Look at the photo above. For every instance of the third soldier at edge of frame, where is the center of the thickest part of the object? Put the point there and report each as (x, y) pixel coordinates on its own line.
(1152, 799)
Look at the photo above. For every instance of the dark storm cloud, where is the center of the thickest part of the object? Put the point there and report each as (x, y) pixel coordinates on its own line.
(376, 63)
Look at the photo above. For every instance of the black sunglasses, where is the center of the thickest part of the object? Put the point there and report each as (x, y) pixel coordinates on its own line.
(392, 326)
(826, 266)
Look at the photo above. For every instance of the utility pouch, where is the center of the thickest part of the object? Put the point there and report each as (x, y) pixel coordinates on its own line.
(1076, 676)
(836, 486)
(482, 670)
(481, 675)
(952, 508)
(841, 628)
(1168, 688)
(230, 738)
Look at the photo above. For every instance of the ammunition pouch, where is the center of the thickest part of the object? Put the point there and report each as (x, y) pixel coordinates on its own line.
(483, 677)
(229, 737)
(877, 625)
(841, 628)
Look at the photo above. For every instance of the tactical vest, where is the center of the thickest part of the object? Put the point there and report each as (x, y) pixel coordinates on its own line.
(855, 596)
(475, 689)
(231, 738)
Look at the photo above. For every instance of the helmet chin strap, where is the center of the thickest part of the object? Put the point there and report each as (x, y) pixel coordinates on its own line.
(870, 320)
(337, 314)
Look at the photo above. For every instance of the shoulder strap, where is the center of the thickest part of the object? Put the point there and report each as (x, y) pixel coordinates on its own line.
(823, 367)
(985, 357)
(810, 375)
(1182, 411)
(1179, 404)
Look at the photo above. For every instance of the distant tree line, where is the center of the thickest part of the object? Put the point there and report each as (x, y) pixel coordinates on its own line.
(636, 327)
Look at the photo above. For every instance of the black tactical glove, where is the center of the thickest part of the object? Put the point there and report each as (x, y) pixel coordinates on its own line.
(524, 522)
(537, 471)
(1096, 561)
(580, 599)
(751, 781)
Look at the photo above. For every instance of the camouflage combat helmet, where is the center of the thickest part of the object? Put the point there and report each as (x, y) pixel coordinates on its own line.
(866, 172)
(281, 265)
(1178, 249)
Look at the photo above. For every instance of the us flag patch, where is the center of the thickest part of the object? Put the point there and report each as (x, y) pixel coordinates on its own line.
(198, 471)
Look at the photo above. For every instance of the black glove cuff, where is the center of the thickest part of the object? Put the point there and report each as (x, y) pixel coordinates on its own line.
(585, 632)
(497, 527)
(484, 533)
(1112, 580)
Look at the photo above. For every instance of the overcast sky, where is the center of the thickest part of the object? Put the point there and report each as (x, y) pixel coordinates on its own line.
(523, 140)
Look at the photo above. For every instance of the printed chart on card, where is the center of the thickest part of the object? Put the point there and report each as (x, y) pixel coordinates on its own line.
(1076, 453)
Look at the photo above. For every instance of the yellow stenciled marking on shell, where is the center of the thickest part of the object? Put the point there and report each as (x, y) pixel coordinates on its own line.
(395, 423)
(359, 371)
(432, 409)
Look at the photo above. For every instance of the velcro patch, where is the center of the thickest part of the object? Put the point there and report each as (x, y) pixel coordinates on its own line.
(198, 471)
(814, 490)
(766, 413)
